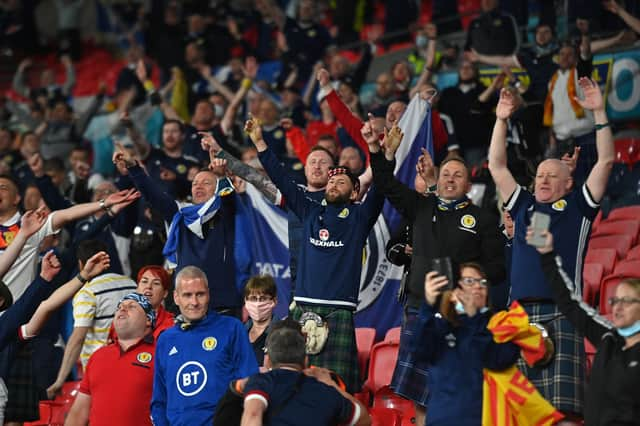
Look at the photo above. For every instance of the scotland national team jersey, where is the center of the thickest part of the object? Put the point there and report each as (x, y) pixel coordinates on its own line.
(194, 368)
(571, 218)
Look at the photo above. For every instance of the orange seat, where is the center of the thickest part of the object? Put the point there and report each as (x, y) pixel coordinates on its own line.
(365, 337)
(604, 256)
(624, 213)
(381, 416)
(618, 227)
(591, 275)
(634, 253)
(628, 268)
(381, 365)
(393, 334)
(385, 397)
(621, 243)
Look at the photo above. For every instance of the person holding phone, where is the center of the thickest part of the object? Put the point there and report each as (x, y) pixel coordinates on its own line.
(571, 211)
(444, 223)
(612, 395)
(452, 338)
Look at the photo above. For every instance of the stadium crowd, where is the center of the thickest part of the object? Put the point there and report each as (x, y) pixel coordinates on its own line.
(132, 203)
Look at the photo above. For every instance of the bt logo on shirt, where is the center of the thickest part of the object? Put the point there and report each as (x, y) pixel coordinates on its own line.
(191, 378)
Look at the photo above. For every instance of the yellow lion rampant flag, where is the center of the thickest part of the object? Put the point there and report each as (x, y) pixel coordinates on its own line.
(509, 399)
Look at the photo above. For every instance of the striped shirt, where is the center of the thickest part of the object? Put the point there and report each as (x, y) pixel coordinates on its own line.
(94, 306)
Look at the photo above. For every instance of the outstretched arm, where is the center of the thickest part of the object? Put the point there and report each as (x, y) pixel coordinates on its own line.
(31, 222)
(242, 170)
(94, 267)
(495, 60)
(62, 217)
(613, 7)
(501, 175)
(294, 196)
(583, 317)
(599, 175)
(250, 70)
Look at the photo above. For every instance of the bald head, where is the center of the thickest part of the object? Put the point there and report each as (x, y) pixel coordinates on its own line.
(553, 181)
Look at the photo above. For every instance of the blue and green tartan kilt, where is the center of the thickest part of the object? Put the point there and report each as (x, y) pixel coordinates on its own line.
(562, 381)
(340, 353)
(410, 376)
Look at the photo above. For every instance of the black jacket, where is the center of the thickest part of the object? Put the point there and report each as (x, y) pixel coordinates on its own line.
(612, 396)
(441, 234)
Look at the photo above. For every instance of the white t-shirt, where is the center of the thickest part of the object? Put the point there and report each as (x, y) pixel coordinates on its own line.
(565, 122)
(23, 271)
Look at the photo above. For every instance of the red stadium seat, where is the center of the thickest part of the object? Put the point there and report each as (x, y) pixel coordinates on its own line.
(591, 275)
(393, 335)
(618, 227)
(381, 416)
(381, 365)
(634, 253)
(365, 337)
(385, 397)
(70, 390)
(625, 213)
(628, 268)
(605, 256)
(621, 243)
(627, 151)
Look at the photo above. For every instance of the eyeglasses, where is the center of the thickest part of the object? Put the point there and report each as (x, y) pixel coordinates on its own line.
(470, 281)
(625, 301)
(258, 298)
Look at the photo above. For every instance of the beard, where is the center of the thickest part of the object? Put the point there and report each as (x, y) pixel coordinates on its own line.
(338, 198)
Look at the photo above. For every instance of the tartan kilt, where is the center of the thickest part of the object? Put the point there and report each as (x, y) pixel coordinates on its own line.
(24, 396)
(410, 376)
(562, 381)
(340, 353)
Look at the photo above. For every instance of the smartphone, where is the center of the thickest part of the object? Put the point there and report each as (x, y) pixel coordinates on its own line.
(443, 266)
(539, 223)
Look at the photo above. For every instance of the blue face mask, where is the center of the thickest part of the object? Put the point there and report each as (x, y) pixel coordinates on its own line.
(421, 41)
(628, 331)
(459, 307)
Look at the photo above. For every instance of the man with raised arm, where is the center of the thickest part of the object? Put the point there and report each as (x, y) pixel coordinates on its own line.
(444, 223)
(330, 260)
(571, 210)
(201, 234)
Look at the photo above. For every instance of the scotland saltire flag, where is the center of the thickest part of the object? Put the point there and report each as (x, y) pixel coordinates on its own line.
(193, 216)
(379, 283)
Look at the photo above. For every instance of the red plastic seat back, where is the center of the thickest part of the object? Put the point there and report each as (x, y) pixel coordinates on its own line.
(634, 253)
(605, 256)
(591, 275)
(621, 243)
(381, 364)
(385, 397)
(627, 151)
(393, 334)
(382, 416)
(365, 337)
(625, 213)
(618, 227)
(628, 268)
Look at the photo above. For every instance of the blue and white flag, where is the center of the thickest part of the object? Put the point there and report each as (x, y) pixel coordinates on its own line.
(194, 216)
(378, 306)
